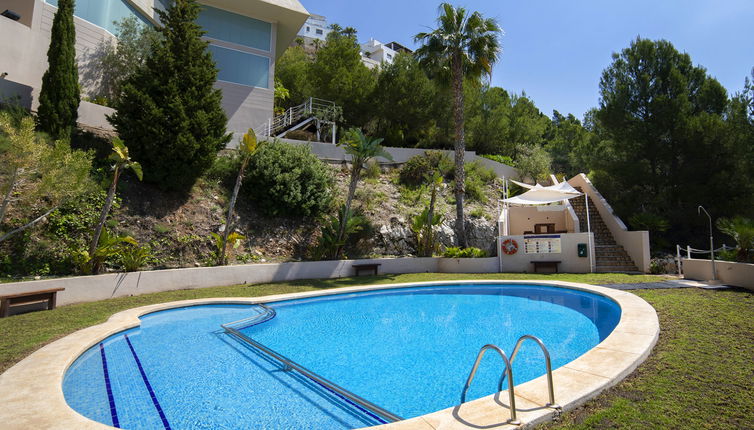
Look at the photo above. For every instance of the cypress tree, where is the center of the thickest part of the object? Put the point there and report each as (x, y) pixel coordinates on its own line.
(59, 97)
(168, 111)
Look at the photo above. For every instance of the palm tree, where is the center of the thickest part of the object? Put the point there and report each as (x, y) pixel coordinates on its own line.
(742, 230)
(245, 150)
(122, 161)
(361, 148)
(462, 46)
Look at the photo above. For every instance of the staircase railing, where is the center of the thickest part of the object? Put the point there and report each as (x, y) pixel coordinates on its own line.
(279, 124)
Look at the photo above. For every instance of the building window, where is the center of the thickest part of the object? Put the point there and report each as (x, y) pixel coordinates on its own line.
(234, 28)
(389, 57)
(104, 13)
(241, 67)
(307, 29)
(318, 31)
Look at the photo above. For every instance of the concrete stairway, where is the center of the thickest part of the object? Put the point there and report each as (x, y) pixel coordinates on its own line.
(609, 256)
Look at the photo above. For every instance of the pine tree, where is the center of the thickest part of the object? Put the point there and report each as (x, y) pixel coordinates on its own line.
(59, 97)
(168, 110)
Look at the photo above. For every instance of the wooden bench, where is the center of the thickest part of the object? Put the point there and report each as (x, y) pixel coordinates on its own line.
(358, 268)
(9, 300)
(543, 264)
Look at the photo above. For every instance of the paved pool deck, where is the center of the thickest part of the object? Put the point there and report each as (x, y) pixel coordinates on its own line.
(672, 283)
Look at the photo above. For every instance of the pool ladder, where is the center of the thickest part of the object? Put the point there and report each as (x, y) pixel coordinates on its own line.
(508, 371)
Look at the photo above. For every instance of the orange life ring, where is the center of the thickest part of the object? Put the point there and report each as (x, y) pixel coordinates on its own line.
(509, 247)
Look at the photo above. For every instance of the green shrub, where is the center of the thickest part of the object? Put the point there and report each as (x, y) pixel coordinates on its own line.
(358, 229)
(133, 257)
(477, 178)
(225, 168)
(372, 170)
(477, 170)
(414, 171)
(477, 213)
(502, 159)
(471, 252)
(288, 180)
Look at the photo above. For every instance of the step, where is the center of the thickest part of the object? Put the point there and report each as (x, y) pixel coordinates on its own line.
(619, 268)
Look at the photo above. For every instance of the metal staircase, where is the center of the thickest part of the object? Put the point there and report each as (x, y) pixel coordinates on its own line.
(298, 117)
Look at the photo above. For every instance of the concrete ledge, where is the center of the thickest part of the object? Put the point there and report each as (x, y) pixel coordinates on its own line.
(729, 273)
(32, 395)
(100, 287)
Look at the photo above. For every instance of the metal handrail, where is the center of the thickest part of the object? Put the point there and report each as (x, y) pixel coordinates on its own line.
(293, 115)
(361, 403)
(267, 314)
(548, 365)
(508, 371)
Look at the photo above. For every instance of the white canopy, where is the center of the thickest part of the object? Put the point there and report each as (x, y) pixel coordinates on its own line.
(539, 195)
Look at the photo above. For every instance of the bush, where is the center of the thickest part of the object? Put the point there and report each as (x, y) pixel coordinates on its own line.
(471, 252)
(284, 179)
(502, 159)
(414, 171)
(225, 168)
(477, 177)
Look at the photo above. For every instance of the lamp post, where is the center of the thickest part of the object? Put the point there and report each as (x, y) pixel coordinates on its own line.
(711, 243)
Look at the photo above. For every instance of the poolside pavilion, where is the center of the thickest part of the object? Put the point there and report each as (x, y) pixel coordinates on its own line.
(566, 227)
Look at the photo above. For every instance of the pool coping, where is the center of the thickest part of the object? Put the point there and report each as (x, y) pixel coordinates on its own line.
(31, 391)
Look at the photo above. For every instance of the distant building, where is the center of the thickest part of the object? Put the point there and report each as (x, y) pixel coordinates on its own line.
(315, 28)
(375, 52)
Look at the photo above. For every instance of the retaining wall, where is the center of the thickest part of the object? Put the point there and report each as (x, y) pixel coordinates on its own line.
(729, 273)
(100, 287)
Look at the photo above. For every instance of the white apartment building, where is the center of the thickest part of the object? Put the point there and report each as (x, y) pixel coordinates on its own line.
(315, 27)
(375, 52)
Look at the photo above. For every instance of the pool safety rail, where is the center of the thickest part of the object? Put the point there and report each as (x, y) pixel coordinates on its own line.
(266, 314)
(508, 371)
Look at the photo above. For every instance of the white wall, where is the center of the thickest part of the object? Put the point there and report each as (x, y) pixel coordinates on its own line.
(570, 262)
(101, 287)
(729, 273)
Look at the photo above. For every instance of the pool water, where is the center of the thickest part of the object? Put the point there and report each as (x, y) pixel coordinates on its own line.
(407, 350)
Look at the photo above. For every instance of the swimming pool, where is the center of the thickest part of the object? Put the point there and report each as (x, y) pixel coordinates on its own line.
(408, 350)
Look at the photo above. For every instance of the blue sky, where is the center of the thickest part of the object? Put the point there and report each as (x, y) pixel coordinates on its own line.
(555, 51)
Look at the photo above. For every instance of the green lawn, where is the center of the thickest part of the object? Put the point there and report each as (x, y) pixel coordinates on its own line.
(699, 375)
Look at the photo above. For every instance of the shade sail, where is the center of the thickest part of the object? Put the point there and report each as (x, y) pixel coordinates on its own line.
(539, 195)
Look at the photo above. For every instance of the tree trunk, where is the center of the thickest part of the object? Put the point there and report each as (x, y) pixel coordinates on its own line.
(103, 215)
(6, 198)
(355, 175)
(429, 241)
(26, 226)
(229, 218)
(460, 147)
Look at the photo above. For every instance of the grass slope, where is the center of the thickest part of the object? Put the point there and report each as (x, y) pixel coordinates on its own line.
(698, 376)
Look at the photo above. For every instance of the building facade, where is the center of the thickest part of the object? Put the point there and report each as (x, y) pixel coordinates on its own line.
(375, 52)
(315, 27)
(246, 38)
